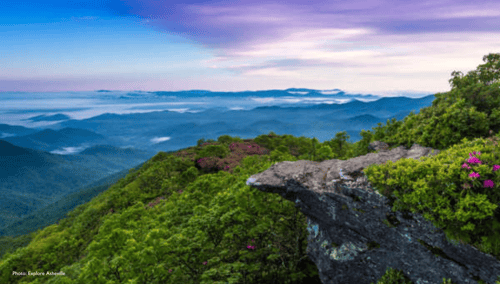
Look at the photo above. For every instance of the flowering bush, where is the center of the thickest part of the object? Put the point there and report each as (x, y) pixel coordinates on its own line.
(474, 160)
(465, 204)
(238, 151)
(209, 162)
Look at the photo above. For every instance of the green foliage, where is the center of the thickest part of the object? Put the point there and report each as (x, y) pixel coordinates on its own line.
(281, 153)
(268, 140)
(486, 73)
(432, 187)
(202, 141)
(393, 276)
(208, 225)
(47, 178)
(339, 143)
(9, 244)
(160, 156)
(58, 210)
(189, 175)
(226, 139)
(219, 151)
(215, 217)
(469, 110)
(426, 129)
(324, 153)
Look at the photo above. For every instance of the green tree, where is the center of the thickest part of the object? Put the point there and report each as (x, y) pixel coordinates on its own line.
(314, 144)
(226, 139)
(486, 74)
(324, 153)
(189, 175)
(219, 151)
(281, 154)
(200, 142)
(339, 144)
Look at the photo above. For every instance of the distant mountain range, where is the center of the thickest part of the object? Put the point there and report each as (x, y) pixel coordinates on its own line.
(291, 92)
(44, 117)
(279, 93)
(169, 130)
(50, 140)
(11, 130)
(32, 179)
(335, 93)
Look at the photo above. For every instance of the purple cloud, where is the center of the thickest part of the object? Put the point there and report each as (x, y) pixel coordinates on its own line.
(387, 45)
(311, 33)
(234, 25)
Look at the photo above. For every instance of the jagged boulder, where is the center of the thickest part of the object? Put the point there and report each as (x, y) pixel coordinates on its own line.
(353, 234)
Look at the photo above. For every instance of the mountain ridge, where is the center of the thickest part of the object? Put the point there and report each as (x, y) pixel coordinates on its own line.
(30, 179)
(50, 140)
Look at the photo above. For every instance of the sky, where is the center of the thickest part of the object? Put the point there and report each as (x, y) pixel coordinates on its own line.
(379, 47)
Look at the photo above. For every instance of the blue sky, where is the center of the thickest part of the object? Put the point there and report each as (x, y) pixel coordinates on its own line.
(357, 46)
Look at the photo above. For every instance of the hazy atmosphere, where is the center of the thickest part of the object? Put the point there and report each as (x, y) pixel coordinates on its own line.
(357, 46)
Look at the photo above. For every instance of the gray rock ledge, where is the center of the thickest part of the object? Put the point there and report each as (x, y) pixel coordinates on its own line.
(348, 240)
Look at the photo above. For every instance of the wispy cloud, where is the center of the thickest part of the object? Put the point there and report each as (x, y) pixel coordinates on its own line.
(159, 139)
(4, 134)
(68, 150)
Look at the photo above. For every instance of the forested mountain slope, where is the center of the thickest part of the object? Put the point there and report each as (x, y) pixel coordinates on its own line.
(32, 179)
(54, 212)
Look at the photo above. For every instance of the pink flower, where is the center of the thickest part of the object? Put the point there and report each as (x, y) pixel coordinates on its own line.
(488, 183)
(205, 263)
(474, 153)
(474, 175)
(170, 271)
(474, 160)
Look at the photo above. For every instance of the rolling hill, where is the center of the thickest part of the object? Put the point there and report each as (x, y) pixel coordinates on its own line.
(14, 130)
(59, 208)
(33, 179)
(50, 140)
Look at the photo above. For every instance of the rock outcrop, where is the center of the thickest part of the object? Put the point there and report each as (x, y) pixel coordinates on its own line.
(353, 234)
